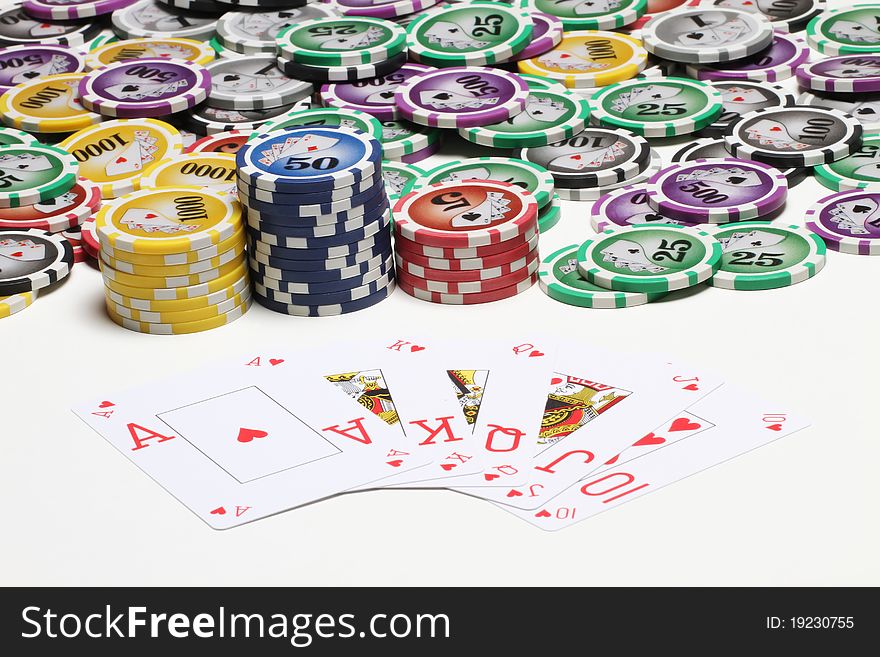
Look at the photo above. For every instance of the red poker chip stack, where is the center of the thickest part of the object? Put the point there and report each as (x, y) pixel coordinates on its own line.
(466, 242)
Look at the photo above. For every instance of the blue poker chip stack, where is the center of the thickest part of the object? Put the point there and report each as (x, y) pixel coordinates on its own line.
(318, 220)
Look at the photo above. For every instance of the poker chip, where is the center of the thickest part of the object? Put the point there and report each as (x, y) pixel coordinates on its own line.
(461, 97)
(168, 220)
(463, 268)
(649, 259)
(709, 147)
(13, 137)
(401, 138)
(327, 310)
(777, 62)
(707, 35)
(861, 170)
(338, 256)
(180, 305)
(341, 73)
(282, 285)
(152, 86)
(279, 238)
(550, 215)
(529, 176)
(17, 27)
(115, 155)
(214, 170)
(847, 222)
(787, 16)
(187, 50)
(367, 193)
(399, 178)
(139, 275)
(420, 155)
(26, 63)
(341, 41)
(332, 157)
(33, 259)
(374, 96)
(593, 158)
(845, 31)
(480, 286)
(10, 305)
(717, 191)
(583, 60)
(458, 36)
(231, 243)
(153, 20)
(253, 83)
(73, 236)
(661, 107)
(757, 255)
(383, 8)
(594, 193)
(344, 295)
(90, 238)
(281, 269)
(255, 32)
(176, 293)
(538, 83)
(591, 16)
(795, 136)
(467, 299)
(182, 327)
(864, 107)
(72, 9)
(221, 51)
(547, 32)
(508, 272)
(550, 116)
(34, 173)
(742, 97)
(476, 213)
(222, 142)
(658, 7)
(560, 279)
(306, 213)
(846, 74)
(180, 316)
(48, 104)
(58, 213)
(325, 116)
(626, 206)
(462, 253)
(208, 120)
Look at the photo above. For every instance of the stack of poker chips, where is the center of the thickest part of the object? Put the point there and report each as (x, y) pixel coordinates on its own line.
(466, 242)
(318, 220)
(172, 259)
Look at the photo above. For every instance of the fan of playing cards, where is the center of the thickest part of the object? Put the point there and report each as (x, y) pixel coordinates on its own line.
(550, 431)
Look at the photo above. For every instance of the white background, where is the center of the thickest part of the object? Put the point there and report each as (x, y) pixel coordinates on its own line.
(802, 511)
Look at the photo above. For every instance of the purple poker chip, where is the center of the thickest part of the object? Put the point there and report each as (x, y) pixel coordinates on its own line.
(717, 190)
(546, 34)
(374, 96)
(60, 10)
(462, 97)
(846, 74)
(848, 222)
(25, 63)
(418, 156)
(778, 62)
(382, 8)
(626, 206)
(144, 88)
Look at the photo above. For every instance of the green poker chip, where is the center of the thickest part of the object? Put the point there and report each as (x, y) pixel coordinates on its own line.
(531, 177)
(537, 83)
(31, 173)
(471, 34)
(649, 258)
(861, 170)
(851, 30)
(550, 214)
(590, 16)
(550, 116)
(758, 255)
(13, 137)
(658, 107)
(559, 278)
(401, 138)
(342, 41)
(324, 116)
(399, 178)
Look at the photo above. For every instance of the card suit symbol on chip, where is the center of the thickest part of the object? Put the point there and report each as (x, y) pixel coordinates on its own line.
(219, 511)
(416, 348)
(683, 424)
(275, 361)
(247, 435)
(650, 439)
(692, 386)
(738, 99)
(490, 477)
(536, 353)
(396, 463)
(106, 404)
(448, 466)
(121, 160)
(776, 129)
(17, 254)
(513, 493)
(774, 427)
(542, 514)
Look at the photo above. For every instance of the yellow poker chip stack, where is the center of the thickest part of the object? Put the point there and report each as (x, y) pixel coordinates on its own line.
(173, 259)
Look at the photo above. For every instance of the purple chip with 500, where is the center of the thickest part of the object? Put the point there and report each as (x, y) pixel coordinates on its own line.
(626, 206)
(25, 63)
(547, 31)
(846, 74)
(383, 8)
(68, 9)
(374, 96)
(778, 62)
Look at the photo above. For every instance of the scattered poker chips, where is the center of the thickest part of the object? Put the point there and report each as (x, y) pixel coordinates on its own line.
(847, 222)
(757, 255)
(861, 170)
(144, 88)
(71, 9)
(341, 73)
(13, 137)
(222, 142)
(32, 260)
(654, 165)
(560, 279)
(591, 16)
(583, 60)
(208, 120)
(787, 16)
(660, 107)
(383, 8)
(48, 104)
(461, 97)
(550, 215)
(214, 170)
(626, 206)
(253, 33)
(707, 34)
(153, 20)
(116, 154)
(531, 177)
(460, 36)
(741, 97)
(187, 50)
(547, 32)
(253, 83)
(26, 63)
(17, 27)
(708, 147)
(649, 258)
(374, 96)
(864, 107)
(408, 142)
(845, 74)
(34, 173)
(717, 191)
(341, 41)
(795, 136)
(777, 62)
(10, 305)
(399, 178)
(56, 214)
(845, 31)
(326, 116)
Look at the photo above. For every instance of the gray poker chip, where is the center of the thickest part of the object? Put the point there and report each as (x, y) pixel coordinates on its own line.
(252, 83)
(865, 107)
(209, 120)
(596, 157)
(254, 32)
(709, 147)
(149, 18)
(786, 15)
(795, 136)
(706, 34)
(741, 97)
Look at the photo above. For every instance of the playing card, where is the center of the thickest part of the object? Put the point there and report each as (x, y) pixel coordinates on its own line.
(732, 422)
